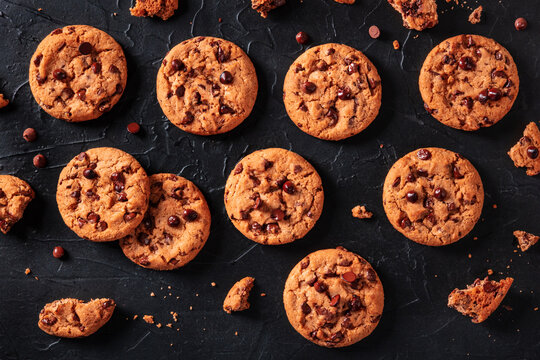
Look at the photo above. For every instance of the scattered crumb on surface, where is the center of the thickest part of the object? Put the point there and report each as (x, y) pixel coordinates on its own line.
(149, 319)
(190, 307)
(494, 206)
(395, 44)
(213, 284)
(490, 272)
(470, 256)
(236, 333)
(509, 308)
(3, 101)
(175, 316)
(475, 238)
(476, 15)
(381, 146)
(27, 271)
(158, 325)
(35, 277)
(152, 294)
(361, 212)
(135, 317)
(263, 294)
(169, 325)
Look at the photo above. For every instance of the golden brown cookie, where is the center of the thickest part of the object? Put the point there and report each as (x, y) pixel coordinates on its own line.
(160, 8)
(175, 227)
(468, 82)
(332, 91)
(73, 318)
(417, 14)
(78, 73)
(207, 86)
(15, 195)
(525, 239)
(525, 152)
(333, 298)
(480, 299)
(237, 298)
(433, 196)
(103, 194)
(263, 7)
(274, 196)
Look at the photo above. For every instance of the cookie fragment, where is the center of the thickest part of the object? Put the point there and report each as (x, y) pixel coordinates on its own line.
(237, 298)
(480, 299)
(73, 318)
(525, 239)
(476, 16)
(525, 152)
(161, 8)
(349, 2)
(417, 14)
(3, 101)
(15, 195)
(360, 212)
(263, 7)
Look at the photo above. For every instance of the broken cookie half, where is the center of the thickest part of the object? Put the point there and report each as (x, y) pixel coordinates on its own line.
(417, 14)
(237, 298)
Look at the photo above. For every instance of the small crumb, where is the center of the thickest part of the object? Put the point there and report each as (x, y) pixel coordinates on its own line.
(236, 333)
(27, 271)
(396, 45)
(213, 284)
(152, 294)
(135, 317)
(381, 146)
(3, 101)
(475, 238)
(536, 308)
(35, 277)
(158, 325)
(476, 15)
(190, 307)
(171, 344)
(361, 212)
(115, 14)
(436, 275)
(509, 308)
(490, 272)
(40, 9)
(169, 287)
(149, 319)
(220, 20)
(494, 206)
(196, 294)
(175, 316)
(263, 294)
(470, 256)
(169, 325)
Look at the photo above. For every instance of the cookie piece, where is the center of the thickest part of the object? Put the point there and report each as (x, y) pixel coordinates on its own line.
(15, 195)
(349, 2)
(333, 298)
(525, 239)
(3, 101)
(480, 299)
(73, 318)
(433, 196)
(103, 194)
(160, 8)
(175, 227)
(78, 73)
(274, 196)
(417, 14)
(360, 212)
(525, 152)
(332, 92)
(207, 85)
(476, 16)
(263, 7)
(468, 82)
(237, 298)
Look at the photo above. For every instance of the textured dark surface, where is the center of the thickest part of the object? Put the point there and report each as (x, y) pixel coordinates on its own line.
(417, 279)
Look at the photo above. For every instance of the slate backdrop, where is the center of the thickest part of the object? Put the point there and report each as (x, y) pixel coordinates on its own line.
(417, 279)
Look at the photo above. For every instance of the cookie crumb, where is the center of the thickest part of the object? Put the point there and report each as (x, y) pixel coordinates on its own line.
(237, 298)
(525, 239)
(263, 294)
(475, 238)
(396, 45)
(494, 206)
(135, 317)
(35, 277)
(236, 333)
(152, 294)
(213, 284)
(169, 325)
(3, 101)
(490, 272)
(149, 319)
(470, 256)
(536, 308)
(263, 7)
(190, 308)
(476, 15)
(27, 271)
(158, 325)
(175, 316)
(509, 308)
(361, 212)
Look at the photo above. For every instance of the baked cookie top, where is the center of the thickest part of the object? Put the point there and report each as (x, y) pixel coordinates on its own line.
(468, 82)
(525, 152)
(333, 298)
(206, 85)
(417, 14)
(433, 196)
(332, 91)
(103, 194)
(274, 196)
(175, 227)
(77, 73)
(15, 195)
(73, 318)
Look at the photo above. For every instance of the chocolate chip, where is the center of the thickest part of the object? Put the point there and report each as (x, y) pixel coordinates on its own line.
(423, 154)
(180, 91)
(177, 65)
(102, 226)
(352, 68)
(321, 65)
(221, 55)
(188, 119)
(490, 287)
(93, 218)
(104, 106)
(333, 115)
(457, 174)
(118, 177)
(498, 56)
(225, 109)
(412, 196)
(288, 187)
(59, 74)
(96, 67)
(277, 215)
(40, 80)
(122, 197)
(257, 201)
(468, 102)
(466, 63)
(190, 215)
(107, 304)
(58, 252)
(404, 222)
(226, 77)
(521, 24)
(38, 59)
(85, 48)
(30, 135)
(272, 228)
(483, 96)
(40, 161)
(532, 152)
(302, 37)
(114, 70)
(49, 321)
(309, 87)
(173, 221)
(494, 94)
(238, 169)
(355, 303)
(89, 173)
(133, 128)
(306, 309)
(75, 194)
(304, 264)
(371, 275)
(468, 41)
(396, 182)
(374, 32)
(335, 300)
(439, 194)
(320, 286)
(81, 94)
(344, 93)
(349, 276)
(256, 227)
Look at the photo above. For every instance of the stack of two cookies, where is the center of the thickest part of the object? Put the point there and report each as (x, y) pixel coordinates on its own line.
(162, 221)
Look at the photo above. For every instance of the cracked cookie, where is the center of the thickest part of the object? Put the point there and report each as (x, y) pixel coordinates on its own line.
(103, 194)
(468, 82)
(15, 195)
(525, 152)
(332, 92)
(433, 196)
(161, 8)
(480, 299)
(417, 14)
(175, 227)
(263, 7)
(207, 86)
(78, 73)
(3, 101)
(333, 298)
(237, 298)
(274, 196)
(73, 318)
(525, 239)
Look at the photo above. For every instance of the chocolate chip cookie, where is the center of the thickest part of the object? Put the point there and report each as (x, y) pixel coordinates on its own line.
(417, 14)
(103, 194)
(160, 8)
(332, 92)
(274, 196)
(333, 298)
(15, 195)
(468, 82)
(525, 152)
(433, 196)
(78, 73)
(237, 297)
(73, 318)
(207, 85)
(175, 227)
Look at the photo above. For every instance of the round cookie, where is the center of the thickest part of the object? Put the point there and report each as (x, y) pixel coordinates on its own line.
(274, 196)
(468, 82)
(175, 227)
(333, 298)
(103, 194)
(15, 195)
(77, 73)
(332, 92)
(207, 85)
(433, 196)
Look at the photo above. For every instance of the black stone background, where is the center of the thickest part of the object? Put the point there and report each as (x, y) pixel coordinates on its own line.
(417, 279)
